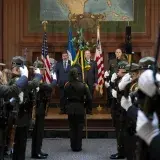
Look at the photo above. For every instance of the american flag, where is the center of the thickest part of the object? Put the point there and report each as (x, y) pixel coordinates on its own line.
(45, 59)
(100, 64)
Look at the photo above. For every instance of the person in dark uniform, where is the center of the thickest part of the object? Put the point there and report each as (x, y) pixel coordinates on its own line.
(113, 68)
(23, 109)
(43, 94)
(9, 92)
(62, 69)
(76, 93)
(116, 111)
(90, 75)
(132, 107)
(130, 79)
(79, 68)
(146, 129)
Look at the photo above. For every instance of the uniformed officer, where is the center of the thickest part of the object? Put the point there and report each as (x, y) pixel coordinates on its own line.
(76, 93)
(22, 108)
(8, 92)
(79, 68)
(146, 129)
(113, 68)
(145, 63)
(116, 111)
(113, 63)
(42, 97)
(130, 79)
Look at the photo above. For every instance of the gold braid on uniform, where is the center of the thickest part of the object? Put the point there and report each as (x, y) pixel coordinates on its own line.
(134, 87)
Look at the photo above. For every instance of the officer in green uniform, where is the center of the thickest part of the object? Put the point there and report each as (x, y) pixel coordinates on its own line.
(76, 93)
(113, 63)
(22, 109)
(117, 111)
(113, 68)
(43, 95)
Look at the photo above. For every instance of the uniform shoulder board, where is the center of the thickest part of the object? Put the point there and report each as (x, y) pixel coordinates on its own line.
(66, 84)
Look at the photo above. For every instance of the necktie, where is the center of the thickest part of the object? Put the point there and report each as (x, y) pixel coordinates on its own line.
(65, 65)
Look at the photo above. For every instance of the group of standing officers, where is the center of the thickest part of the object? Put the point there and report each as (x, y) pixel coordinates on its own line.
(18, 95)
(133, 93)
(25, 92)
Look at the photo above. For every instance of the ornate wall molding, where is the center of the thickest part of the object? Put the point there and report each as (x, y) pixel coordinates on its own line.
(16, 35)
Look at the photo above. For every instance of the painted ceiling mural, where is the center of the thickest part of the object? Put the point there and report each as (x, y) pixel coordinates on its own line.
(114, 10)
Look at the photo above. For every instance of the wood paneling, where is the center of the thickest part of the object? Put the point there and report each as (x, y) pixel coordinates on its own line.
(1, 29)
(16, 36)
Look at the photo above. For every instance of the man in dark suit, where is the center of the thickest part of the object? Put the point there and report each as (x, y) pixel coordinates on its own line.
(62, 69)
(90, 75)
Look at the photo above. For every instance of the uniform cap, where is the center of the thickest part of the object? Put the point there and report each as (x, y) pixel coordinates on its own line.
(146, 62)
(122, 64)
(38, 64)
(134, 67)
(18, 61)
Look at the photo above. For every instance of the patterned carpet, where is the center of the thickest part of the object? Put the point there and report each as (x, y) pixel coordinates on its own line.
(93, 149)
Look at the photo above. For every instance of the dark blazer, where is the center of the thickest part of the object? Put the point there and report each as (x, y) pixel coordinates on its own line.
(91, 76)
(62, 74)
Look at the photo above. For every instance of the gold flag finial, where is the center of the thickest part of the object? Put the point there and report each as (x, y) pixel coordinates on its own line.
(44, 23)
(99, 108)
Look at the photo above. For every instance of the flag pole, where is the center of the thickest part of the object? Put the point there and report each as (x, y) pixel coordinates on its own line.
(130, 55)
(82, 65)
(83, 78)
(44, 23)
(98, 88)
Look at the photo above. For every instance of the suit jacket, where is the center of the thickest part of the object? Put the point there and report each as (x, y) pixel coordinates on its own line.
(91, 76)
(62, 74)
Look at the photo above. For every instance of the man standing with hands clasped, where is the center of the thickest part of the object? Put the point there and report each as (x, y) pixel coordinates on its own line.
(90, 75)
